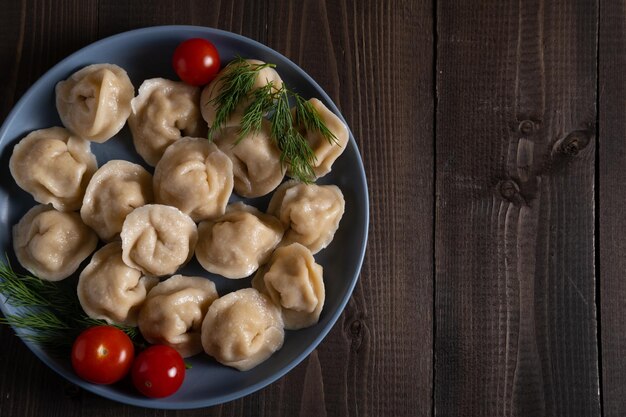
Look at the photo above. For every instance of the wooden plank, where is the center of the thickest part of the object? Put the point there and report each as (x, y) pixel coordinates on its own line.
(515, 150)
(612, 223)
(33, 37)
(12, 27)
(375, 61)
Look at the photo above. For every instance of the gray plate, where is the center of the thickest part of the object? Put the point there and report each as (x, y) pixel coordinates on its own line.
(146, 53)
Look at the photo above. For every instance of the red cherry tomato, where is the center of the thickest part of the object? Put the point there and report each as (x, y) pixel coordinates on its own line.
(158, 371)
(102, 354)
(196, 61)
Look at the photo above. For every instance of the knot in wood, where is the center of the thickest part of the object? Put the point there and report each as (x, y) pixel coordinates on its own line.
(571, 146)
(355, 328)
(508, 189)
(526, 127)
(572, 143)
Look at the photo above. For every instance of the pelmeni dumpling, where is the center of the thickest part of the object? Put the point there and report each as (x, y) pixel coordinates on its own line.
(163, 112)
(173, 312)
(194, 176)
(110, 290)
(242, 329)
(235, 244)
(256, 160)
(326, 152)
(310, 213)
(116, 189)
(212, 90)
(52, 244)
(158, 239)
(295, 283)
(94, 102)
(54, 166)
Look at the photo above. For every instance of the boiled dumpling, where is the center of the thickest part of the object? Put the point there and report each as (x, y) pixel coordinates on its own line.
(194, 176)
(110, 290)
(116, 189)
(235, 244)
(326, 152)
(163, 112)
(158, 239)
(295, 283)
(242, 329)
(257, 167)
(52, 244)
(173, 312)
(212, 90)
(310, 213)
(94, 102)
(54, 166)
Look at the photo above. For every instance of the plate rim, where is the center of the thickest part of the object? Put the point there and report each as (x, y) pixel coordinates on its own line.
(49, 76)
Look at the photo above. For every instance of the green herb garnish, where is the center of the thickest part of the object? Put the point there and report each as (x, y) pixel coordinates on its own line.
(307, 116)
(237, 82)
(274, 104)
(262, 103)
(295, 151)
(50, 312)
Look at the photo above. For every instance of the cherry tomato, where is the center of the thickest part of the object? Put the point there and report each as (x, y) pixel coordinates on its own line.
(196, 61)
(102, 354)
(158, 371)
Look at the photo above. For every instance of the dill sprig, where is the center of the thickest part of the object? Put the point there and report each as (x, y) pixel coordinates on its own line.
(295, 151)
(273, 103)
(49, 313)
(237, 82)
(27, 291)
(262, 103)
(307, 116)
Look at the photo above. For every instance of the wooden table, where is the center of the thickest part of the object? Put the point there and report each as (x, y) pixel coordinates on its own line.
(492, 134)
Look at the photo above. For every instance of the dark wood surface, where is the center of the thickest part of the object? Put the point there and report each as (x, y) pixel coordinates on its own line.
(612, 196)
(493, 139)
(515, 276)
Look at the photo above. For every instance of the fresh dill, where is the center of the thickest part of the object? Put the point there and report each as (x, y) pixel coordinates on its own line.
(49, 313)
(295, 151)
(236, 84)
(271, 102)
(262, 103)
(307, 116)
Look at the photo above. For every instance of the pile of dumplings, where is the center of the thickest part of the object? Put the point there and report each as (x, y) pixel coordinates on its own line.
(149, 225)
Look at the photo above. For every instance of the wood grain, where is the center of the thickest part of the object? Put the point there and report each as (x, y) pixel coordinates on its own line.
(387, 325)
(515, 149)
(12, 25)
(495, 280)
(377, 360)
(612, 194)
